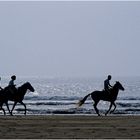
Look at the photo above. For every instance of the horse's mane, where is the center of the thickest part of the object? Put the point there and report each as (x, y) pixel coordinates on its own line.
(117, 82)
(20, 87)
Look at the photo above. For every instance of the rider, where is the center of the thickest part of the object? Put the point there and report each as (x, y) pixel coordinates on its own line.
(12, 86)
(107, 85)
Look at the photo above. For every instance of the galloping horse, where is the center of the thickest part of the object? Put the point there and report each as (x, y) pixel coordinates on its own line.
(102, 95)
(16, 97)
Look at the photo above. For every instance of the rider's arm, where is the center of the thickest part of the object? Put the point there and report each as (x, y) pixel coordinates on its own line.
(110, 85)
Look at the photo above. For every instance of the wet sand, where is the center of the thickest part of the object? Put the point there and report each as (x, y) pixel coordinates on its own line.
(67, 127)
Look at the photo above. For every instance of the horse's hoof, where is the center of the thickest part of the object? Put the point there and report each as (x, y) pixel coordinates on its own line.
(11, 113)
(111, 112)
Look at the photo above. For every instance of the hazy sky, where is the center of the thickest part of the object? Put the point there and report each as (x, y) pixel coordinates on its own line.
(70, 39)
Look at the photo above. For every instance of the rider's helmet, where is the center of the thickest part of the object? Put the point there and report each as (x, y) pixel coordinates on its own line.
(109, 77)
(13, 77)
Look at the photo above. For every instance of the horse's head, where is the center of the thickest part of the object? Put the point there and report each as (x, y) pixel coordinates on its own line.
(29, 86)
(119, 85)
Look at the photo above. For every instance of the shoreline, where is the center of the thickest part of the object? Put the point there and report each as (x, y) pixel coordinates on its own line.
(80, 115)
(69, 127)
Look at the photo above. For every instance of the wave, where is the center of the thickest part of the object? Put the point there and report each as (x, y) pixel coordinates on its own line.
(53, 103)
(129, 104)
(34, 98)
(129, 98)
(70, 98)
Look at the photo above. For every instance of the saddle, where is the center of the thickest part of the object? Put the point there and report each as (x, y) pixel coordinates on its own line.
(11, 89)
(107, 91)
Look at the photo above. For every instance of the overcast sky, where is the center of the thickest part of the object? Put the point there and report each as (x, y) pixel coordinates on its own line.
(70, 39)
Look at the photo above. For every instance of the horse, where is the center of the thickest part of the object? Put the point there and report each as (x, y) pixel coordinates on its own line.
(17, 96)
(3, 99)
(103, 95)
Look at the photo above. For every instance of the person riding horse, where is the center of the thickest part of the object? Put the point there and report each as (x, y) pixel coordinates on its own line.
(107, 85)
(12, 87)
(101, 95)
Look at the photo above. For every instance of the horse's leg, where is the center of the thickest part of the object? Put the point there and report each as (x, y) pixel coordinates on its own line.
(95, 107)
(8, 108)
(3, 111)
(114, 108)
(109, 108)
(24, 107)
(2, 108)
(13, 107)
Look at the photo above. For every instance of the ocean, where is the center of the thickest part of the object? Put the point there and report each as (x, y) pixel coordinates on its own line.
(61, 95)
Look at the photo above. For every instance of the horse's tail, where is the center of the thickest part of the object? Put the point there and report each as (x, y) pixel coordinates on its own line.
(81, 102)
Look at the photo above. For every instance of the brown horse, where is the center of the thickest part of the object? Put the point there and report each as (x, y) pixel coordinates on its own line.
(17, 97)
(103, 95)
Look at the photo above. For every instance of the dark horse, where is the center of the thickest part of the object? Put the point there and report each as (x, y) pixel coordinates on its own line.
(102, 95)
(17, 97)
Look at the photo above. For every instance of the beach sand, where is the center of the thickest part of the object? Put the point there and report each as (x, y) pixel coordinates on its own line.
(67, 127)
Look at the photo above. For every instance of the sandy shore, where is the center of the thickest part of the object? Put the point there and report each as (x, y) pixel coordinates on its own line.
(54, 126)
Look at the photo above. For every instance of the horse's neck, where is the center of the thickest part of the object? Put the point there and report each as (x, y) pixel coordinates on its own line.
(22, 90)
(115, 91)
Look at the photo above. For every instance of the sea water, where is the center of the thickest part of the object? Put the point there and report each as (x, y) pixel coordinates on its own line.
(61, 95)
